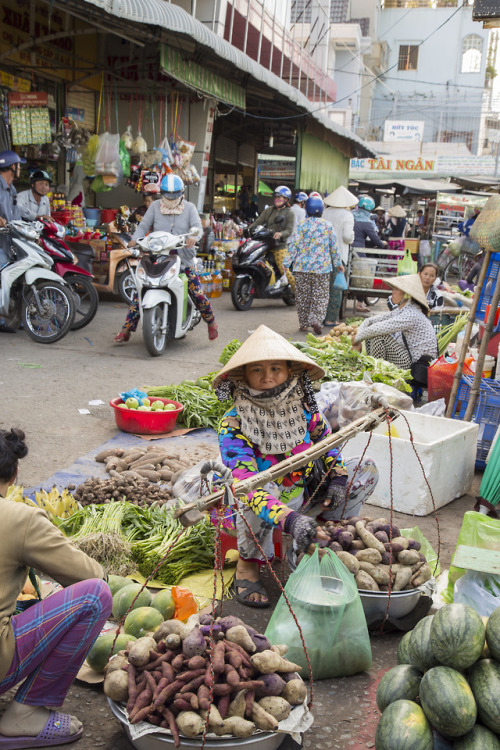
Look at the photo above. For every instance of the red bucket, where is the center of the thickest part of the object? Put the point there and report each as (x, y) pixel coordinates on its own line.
(146, 422)
(108, 215)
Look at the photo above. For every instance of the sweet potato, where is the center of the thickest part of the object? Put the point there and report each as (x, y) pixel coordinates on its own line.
(395, 548)
(378, 574)
(424, 574)
(237, 706)
(262, 719)
(413, 544)
(279, 648)
(402, 540)
(194, 644)
(357, 544)
(409, 557)
(237, 726)
(276, 706)
(365, 581)
(368, 538)
(345, 539)
(268, 661)
(295, 692)
(116, 686)
(381, 536)
(239, 635)
(349, 561)
(403, 578)
(138, 654)
(214, 717)
(190, 724)
(372, 556)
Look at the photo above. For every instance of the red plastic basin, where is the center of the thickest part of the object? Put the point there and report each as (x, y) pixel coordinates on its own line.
(146, 422)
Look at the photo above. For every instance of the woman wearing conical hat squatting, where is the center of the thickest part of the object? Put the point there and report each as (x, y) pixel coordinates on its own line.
(274, 415)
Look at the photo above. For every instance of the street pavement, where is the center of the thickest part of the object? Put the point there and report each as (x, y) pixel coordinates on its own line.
(43, 389)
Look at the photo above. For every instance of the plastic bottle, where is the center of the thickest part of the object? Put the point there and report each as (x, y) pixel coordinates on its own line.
(217, 283)
(208, 281)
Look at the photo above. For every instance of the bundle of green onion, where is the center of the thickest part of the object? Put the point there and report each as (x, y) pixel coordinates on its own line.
(449, 333)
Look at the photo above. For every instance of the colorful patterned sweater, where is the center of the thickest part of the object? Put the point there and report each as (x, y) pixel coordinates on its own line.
(244, 459)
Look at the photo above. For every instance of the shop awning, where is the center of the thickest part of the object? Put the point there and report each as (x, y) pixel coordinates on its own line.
(158, 13)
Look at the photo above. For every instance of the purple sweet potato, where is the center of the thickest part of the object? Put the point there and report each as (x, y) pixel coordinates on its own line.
(413, 544)
(345, 539)
(382, 537)
(335, 546)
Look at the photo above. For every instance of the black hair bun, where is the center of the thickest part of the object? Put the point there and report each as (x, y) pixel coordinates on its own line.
(15, 440)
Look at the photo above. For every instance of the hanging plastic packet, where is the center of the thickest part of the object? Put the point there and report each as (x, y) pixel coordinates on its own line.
(139, 145)
(150, 181)
(126, 138)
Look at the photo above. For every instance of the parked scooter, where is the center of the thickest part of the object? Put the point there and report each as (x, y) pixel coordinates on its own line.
(116, 276)
(66, 265)
(30, 292)
(165, 307)
(257, 275)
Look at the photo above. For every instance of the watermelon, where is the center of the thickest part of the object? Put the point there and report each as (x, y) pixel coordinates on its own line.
(484, 678)
(403, 726)
(419, 646)
(403, 654)
(99, 653)
(457, 636)
(493, 634)
(116, 583)
(479, 738)
(142, 620)
(123, 599)
(448, 701)
(164, 603)
(399, 682)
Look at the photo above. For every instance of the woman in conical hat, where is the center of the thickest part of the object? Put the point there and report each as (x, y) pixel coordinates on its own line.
(275, 415)
(405, 334)
(339, 214)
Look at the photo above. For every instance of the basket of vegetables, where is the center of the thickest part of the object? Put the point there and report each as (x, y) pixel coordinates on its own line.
(152, 417)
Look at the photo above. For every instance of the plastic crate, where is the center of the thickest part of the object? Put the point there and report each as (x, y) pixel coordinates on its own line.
(486, 413)
(489, 286)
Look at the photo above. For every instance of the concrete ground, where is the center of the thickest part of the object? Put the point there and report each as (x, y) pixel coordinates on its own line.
(44, 386)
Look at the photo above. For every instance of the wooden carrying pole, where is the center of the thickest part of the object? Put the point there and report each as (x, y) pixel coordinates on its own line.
(190, 514)
(476, 384)
(467, 335)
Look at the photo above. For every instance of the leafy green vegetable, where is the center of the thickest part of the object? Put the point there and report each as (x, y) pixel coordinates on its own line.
(201, 406)
(229, 350)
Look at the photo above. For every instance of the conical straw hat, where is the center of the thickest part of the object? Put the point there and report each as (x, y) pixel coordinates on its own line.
(397, 211)
(410, 284)
(341, 198)
(379, 208)
(267, 345)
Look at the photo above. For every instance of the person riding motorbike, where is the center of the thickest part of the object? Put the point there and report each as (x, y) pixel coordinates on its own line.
(279, 219)
(364, 230)
(9, 210)
(176, 215)
(33, 203)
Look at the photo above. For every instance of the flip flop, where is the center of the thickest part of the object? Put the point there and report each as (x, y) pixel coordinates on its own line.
(329, 325)
(55, 732)
(251, 587)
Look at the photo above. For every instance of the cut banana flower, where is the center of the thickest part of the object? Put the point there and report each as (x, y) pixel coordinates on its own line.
(62, 505)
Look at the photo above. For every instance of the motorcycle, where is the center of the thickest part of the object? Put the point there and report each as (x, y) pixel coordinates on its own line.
(165, 307)
(30, 292)
(257, 274)
(66, 264)
(116, 276)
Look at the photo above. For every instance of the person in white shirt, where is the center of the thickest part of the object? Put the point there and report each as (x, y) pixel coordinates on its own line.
(338, 213)
(299, 212)
(33, 203)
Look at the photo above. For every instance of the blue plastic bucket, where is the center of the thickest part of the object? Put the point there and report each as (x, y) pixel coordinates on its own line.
(94, 214)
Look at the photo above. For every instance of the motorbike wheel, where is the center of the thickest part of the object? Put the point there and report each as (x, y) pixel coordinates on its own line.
(126, 286)
(372, 300)
(56, 316)
(289, 297)
(458, 268)
(242, 293)
(86, 300)
(154, 339)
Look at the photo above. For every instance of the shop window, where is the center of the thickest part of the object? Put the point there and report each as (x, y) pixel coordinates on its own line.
(408, 57)
(472, 47)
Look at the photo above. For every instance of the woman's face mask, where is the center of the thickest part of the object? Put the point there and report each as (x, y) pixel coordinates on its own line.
(170, 203)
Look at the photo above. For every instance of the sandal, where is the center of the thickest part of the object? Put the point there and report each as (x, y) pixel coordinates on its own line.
(55, 732)
(122, 337)
(213, 331)
(251, 587)
(329, 325)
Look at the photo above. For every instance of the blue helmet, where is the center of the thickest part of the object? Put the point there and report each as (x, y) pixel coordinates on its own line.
(314, 206)
(366, 202)
(300, 197)
(171, 186)
(283, 192)
(8, 158)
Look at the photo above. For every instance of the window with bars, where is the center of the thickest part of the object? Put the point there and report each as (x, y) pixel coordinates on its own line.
(408, 57)
(472, 47)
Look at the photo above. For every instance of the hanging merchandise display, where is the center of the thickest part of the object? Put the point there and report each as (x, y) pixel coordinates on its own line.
(127, 138)
(29, 118)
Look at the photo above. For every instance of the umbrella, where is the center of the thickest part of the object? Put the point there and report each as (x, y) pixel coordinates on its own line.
(264, 189)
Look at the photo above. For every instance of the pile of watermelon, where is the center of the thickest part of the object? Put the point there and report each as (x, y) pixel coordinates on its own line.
(448, 680)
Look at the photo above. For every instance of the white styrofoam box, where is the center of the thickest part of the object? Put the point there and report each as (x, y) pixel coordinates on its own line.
(447, 451)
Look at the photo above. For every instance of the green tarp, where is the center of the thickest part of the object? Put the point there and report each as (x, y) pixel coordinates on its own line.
(322, 167)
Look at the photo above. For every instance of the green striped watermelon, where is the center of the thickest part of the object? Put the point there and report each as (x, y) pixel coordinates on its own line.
(420, 654)
(484, 678)
(399, 682)
(448, 701)
(403, 726)
(403, 654)
(493, 634)
(457, 636)
(479, 738)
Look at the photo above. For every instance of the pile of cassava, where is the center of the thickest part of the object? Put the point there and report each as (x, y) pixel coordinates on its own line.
(167, 678)
(376, 554)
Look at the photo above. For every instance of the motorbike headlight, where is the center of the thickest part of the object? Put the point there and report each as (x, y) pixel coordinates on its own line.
(155, 246)
(141, 273)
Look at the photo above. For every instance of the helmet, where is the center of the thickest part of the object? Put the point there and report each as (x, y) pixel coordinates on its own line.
(314, 206)
(8, 158)
(299, 197)
(283, 192)
(172, 186)
(315, 194)
(40, 174)
(366, 202)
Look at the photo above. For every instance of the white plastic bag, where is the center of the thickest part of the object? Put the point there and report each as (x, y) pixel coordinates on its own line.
(107, 159)
(433, 408)
(479, 590)
(328, 403)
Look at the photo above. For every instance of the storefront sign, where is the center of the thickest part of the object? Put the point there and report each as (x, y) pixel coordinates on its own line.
(13, 82)
(404, 130)
(421, 166)
(28, 99)
(201, 79)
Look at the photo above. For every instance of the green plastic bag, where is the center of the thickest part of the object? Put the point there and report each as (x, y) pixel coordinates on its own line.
(406, 265)
(426, 548)
(325, 600)
(88, 159)
(124, 159)
(477, 531)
